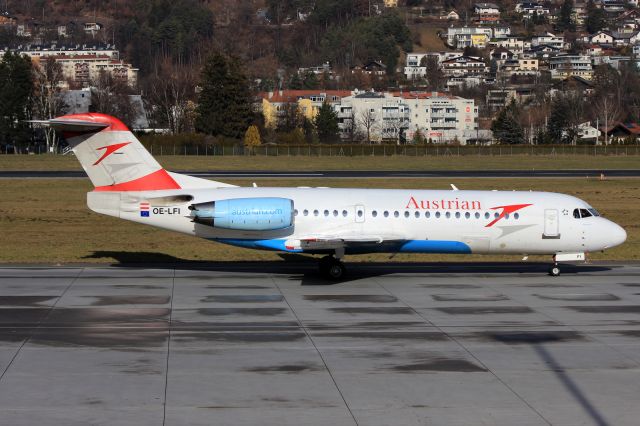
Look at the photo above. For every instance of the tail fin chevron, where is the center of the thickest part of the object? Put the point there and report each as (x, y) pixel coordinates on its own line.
(111, 155)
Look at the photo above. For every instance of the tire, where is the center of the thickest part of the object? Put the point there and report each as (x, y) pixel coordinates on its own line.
(554, 271)
(336, 270)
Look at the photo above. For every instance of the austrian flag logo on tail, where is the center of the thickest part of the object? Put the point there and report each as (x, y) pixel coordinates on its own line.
(144, 209)
(505, 211)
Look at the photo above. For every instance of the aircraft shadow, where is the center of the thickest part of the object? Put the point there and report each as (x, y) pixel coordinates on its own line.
(304, 268)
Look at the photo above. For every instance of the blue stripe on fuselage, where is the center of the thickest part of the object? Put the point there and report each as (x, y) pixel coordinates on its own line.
(410, 246)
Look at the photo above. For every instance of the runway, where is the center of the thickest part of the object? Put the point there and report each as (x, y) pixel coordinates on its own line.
(272, 344)
(359, 174)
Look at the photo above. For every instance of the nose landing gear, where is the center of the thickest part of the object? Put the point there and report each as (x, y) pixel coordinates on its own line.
(554, 271)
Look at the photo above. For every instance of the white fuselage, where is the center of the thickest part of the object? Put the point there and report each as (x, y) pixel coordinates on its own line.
(400, 220)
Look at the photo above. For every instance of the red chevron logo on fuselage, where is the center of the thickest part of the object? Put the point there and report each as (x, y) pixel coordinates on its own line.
(505, 211)
(110, 149)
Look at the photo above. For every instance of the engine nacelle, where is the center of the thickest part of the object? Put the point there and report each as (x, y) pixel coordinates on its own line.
(245, 214)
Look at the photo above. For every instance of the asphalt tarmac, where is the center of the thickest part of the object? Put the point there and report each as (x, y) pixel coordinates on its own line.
(361, 174)
(273, 344)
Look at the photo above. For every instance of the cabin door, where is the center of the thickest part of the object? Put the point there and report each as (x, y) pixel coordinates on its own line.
(551, 224)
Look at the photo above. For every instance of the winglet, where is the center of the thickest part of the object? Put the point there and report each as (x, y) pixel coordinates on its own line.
(454, 188)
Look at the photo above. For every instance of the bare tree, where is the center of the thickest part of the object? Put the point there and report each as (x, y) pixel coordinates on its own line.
(393, 128)
(110, 95)
(367, 121)
(47, 97)
(171, 92)
(608, 110)
(350, 126)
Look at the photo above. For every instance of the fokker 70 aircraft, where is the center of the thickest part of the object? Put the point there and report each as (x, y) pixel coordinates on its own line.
(130, 184)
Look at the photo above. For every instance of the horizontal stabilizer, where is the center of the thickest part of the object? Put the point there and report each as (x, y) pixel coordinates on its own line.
(80, 126)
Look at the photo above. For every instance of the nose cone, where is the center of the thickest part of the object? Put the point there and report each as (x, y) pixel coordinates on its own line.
(616, 235)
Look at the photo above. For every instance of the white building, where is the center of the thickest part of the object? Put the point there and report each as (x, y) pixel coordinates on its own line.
(461, 37)
(380, 115)
(439, 117)
(563, 66)
(548, 39)
(80, 65)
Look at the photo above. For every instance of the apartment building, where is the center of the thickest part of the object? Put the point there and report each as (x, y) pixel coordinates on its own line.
(563, 66)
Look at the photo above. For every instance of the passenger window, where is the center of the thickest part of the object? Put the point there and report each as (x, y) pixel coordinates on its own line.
(487, 215)
(295, 212)
(516, 216)
(506, 216)
(448, 214)
(306, 212)
(374, 213)
(396, 214)
(344, 213)
(496, 215)
(316, 212)
(467, 215)
(335, 213)
(386, 214)
(406, 214)
(427, 215)
(417, 215)
(477, 215)
(326, 212)
(359, 213)
(437, 214)
(457, 215)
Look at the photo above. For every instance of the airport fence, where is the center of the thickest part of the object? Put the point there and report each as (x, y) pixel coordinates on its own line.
(394, 150)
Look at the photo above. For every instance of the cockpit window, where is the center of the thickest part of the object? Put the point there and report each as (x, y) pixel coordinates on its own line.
(582, 213)
(594, 212)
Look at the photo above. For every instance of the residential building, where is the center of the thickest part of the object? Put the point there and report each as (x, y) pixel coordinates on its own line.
(414, 63)
(487, 12)
(549, 39)
(390, 3)
(461, 37)
(32, 51)
(464, 66)
(514, 44)
(530, 9)
(601, 37)
(440, 117)
(275, 105)
(563, 66)
(587, 133)
(379, 115)
(519, 67)
(81, 65)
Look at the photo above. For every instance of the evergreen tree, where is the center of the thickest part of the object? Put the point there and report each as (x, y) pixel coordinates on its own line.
(565, 20)
(595, 20)
(224, 104)
(16, 90)
(310, 81)
(295, 83)
(506, 127)
(327, 124)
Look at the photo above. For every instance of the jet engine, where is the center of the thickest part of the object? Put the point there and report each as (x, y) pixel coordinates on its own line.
(245, 214)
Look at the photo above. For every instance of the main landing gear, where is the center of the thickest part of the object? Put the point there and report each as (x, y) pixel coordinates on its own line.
(332, 268)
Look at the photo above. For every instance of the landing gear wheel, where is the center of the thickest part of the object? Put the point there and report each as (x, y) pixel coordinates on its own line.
(332, 268)
(554, 271)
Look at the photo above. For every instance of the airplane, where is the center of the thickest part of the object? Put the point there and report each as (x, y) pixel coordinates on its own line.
(130, 184)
